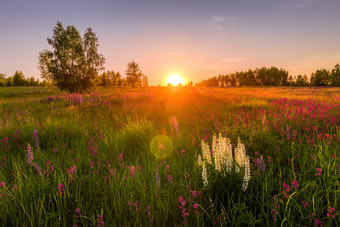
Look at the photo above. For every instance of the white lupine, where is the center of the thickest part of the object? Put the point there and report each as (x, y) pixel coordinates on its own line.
(199, 159)
(240, 153)
(204, 176)
(229, 156)
(206, 152)
(217, 152)
(223, 158)
(246, 177)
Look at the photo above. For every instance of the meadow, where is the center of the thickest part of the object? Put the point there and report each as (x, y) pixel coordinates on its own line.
(130, 157)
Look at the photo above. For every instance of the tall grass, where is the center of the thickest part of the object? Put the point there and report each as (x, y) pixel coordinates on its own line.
(101, 164)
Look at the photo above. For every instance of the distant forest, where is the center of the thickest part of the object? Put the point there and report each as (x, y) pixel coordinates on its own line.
(259, 77)
(274, 77)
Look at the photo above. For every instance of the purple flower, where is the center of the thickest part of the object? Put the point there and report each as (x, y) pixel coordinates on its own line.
(36, 139)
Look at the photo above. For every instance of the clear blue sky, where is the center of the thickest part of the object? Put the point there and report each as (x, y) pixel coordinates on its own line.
(193, 38)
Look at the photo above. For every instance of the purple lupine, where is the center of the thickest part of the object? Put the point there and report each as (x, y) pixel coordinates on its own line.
(29, 154)
(30, 160)
(36, 139)
(158, 180)
(260, 163)
(37, 168)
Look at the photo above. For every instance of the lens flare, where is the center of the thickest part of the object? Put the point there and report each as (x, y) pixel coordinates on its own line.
(161, 146)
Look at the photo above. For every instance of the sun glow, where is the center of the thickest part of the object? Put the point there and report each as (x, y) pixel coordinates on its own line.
(175, 80)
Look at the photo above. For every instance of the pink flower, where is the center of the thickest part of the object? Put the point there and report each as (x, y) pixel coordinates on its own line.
(61, 189)
(195, 208)
(295, 184)
(132, 171)
(319, 171)
(330, 212)
(169, 178)
(78, 212)
(100, 222)
(181, 200)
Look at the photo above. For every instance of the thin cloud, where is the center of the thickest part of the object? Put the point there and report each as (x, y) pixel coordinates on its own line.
(221, 23)
(233, 60)
(216, 18)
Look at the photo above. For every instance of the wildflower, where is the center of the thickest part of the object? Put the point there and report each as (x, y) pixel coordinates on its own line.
(206, 152)
(149, 215)
(30, 160)
(29, 154)
(195, 208)
(61, 189)
(54, 150)
(78, 212)
(181, 201)
(72, 169)
(295, 184)
(136, 205)
(132, 171)
(317, 222)
(169, 178)
(158, 180)
(330, 212)
(223, 158)
(199, 160)
(195, 194)
(204, 176)
(93, 147)
(2, 184)
(36, 139)
(246, 177)
(304, 203)
(287, 132)
(274, 213)
(319, 171)
(260, 164)
(100, 222)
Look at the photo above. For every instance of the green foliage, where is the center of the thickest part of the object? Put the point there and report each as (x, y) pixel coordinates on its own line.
(2, 80)
(335, 76)
(320, 77)
(19, 79)
(274, 77)
(74, 62)
(134, 76)
(110, 78)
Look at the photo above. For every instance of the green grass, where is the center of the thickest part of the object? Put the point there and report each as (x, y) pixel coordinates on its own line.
(92, 134)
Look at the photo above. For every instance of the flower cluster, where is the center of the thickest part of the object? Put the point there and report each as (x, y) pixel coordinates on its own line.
(223, 159)
(30, 160)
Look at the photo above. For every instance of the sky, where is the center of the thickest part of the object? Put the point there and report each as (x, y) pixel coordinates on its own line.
(195, 39)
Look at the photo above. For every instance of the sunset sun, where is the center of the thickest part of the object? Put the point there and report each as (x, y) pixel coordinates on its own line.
(175, 80)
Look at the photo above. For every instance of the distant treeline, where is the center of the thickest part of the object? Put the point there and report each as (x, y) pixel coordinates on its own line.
(275, 77)
(18, 79)
(107, 78)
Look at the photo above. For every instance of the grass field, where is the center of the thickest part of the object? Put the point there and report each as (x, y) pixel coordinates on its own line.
(120, 157)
